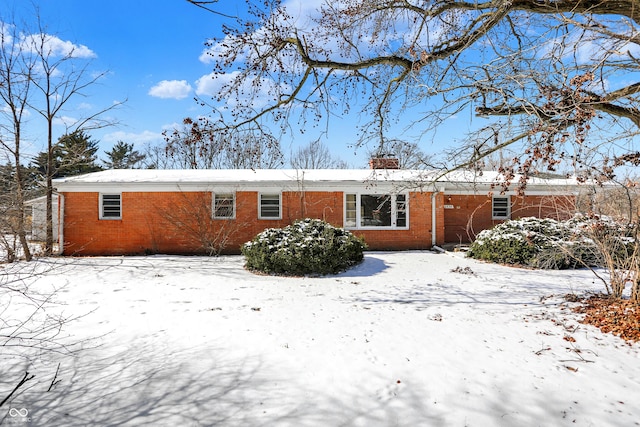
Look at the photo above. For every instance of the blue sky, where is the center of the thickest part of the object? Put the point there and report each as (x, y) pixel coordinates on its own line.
(140, 46)
(152, 52)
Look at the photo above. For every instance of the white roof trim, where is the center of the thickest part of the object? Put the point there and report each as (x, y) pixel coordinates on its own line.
(41, 199)
(155, 180)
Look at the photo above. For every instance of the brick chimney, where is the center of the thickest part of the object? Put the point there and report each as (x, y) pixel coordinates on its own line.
(383, 162)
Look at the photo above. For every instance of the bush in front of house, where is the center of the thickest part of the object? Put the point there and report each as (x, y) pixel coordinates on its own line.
(535, 242)
(307, 247)
(511, 242)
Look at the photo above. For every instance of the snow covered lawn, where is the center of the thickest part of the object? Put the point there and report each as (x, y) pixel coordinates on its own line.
(400, 340)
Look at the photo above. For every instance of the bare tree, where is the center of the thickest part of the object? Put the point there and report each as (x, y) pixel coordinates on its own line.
(156, 157)
(409, 154)
(554, 78)
(31, 324)
(62, 75)
(316, 155)
(14, 220)
(206, 221)
(613, 230)
(16, 77)
(618, 243)
(200, 144)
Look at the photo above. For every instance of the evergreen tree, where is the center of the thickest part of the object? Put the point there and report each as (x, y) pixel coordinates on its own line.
(73, 154)
(40, 162)
(123, 156)
(77, 154)
(30, 183)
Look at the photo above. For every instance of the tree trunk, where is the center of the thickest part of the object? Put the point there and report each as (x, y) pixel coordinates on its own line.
(21, 231)
(20, 220)
(48, 245)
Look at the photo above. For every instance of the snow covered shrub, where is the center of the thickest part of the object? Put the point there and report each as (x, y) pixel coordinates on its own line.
(308, 246)
(535, 242)
(582, 241)
(510, 242)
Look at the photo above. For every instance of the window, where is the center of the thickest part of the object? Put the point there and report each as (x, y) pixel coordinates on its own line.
(224, 206)
(376, 210)
(401, 210)
(269, 206)
(351, 209)
(110, 206)
(500, 208)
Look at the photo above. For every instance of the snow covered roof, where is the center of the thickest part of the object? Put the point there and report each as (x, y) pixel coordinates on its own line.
(41, 200)
(248, 179)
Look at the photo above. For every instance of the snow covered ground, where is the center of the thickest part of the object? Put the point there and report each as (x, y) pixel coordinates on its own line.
(400, 340)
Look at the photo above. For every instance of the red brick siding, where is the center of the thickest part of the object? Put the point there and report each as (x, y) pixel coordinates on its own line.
(148, 222)
(555, 207)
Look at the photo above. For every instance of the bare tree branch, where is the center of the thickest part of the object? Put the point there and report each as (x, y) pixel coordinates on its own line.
(550, 71)
(205, 5)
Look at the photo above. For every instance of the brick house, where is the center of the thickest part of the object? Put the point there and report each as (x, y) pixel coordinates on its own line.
(118, 212)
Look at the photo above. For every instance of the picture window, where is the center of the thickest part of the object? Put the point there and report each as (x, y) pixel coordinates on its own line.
(376, 211)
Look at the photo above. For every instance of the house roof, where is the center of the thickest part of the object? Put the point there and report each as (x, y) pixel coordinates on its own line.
(41, 200)
(296, 179)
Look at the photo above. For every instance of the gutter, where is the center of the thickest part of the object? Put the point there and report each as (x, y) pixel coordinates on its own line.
(433, 217)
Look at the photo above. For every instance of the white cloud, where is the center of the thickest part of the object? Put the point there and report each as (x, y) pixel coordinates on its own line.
(6, 110)
(55, 47)
(212, 53)
(301, 19)
(65, 121)
(172, 126)
(258, 95)
(130, 137)
(593, 48)
(300, 13)
(171, 89)
(211, 84)
(6, 35)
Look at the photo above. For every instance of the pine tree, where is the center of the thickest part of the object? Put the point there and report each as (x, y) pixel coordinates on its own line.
(123, 156)
(73, 154)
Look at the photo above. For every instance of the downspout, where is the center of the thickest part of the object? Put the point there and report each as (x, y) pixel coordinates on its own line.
(433, 217)
(60, 224)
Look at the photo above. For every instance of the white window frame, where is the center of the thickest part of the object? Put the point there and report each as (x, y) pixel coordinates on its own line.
(498, 212)
(351, 210)
(405, 209)
(214, 210)
(349, 217)
(101, 206)
(260, 196)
